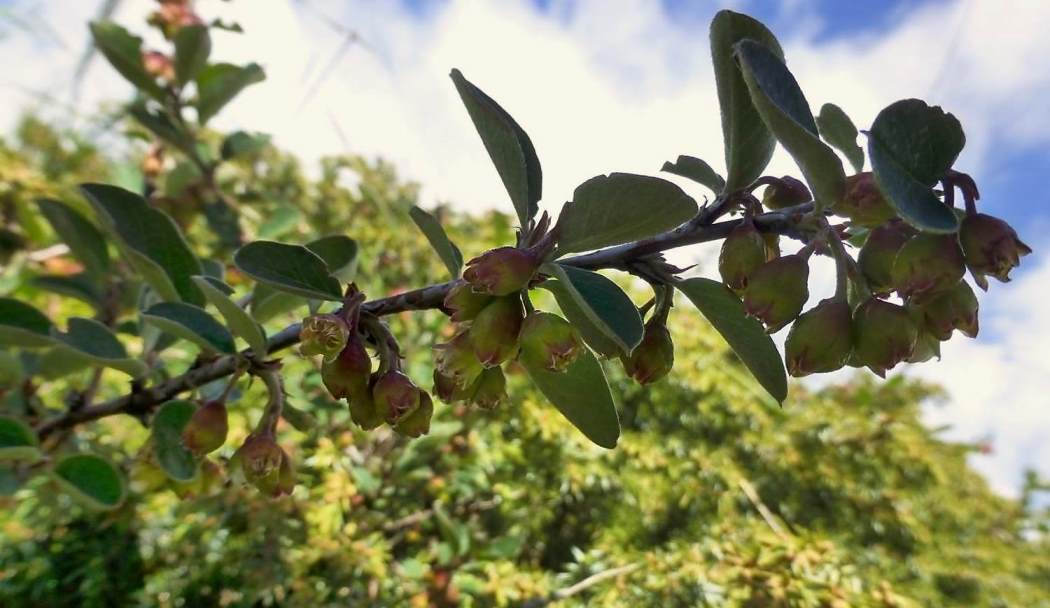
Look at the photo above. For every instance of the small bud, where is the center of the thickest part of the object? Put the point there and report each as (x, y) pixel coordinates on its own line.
(883, 335)
(549, 341)
(777, 291)
(463, 303)
(323, 335)
(653, 358)
(347, 375)
(206, 431)
(395, 396)
(785, 192)
(927, 264)
(878, 253)
(456, 362)
(990, 246)
(489, 390)
(417, 423)
(494, 333)
(743, 251)
(158, 65)
(820, 340)
(953, 309)
(259, 460)
(501, 271)
(863, 202)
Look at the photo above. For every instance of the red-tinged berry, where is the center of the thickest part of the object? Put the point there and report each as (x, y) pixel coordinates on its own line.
(501, 271)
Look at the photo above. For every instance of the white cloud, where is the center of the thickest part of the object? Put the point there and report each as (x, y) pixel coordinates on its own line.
(604, 86)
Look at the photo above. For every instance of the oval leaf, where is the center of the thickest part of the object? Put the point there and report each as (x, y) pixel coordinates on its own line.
(838, 130)
(172, 456)
(581, 393)
(745, 335)
(96, 343)
(80, 235)
(291, 268)
(23, 325)
(508, 146)
(91, 479)
(152, 240)
(241, 143)
(17, 441)
(124, 53)
(218, 84)
(748, 143)
(599, 305)
(238, 319)
(911, 146)
(81, 286)
(192, 47)
(338, 252)
(697, 170)
(191, 323)
(618, 208)
(595, 337)
(784, 109)
(445, 248)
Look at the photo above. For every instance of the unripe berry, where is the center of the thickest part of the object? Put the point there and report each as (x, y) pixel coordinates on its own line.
(456, 362)
(990, 246)
(863, 203)
(955, 308)
(347, 375)
(777, 291)
(549, 341)
(446, 389)
(743, 251)
(494, 333)
(820, 340)
(653, 358)
(463, 303)
(927, 346)
(884, 334)
(395, 396)
(927, 264)
(207, 428)
(259, 460)
(879, 252)
(417, 423)
(323, 335)
(785, 192)
(489, 390)
(501, 271)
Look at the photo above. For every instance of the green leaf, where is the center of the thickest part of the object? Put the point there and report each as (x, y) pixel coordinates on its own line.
(581, 393)
(91, 479)
(241, 143)
(97, 344)
(619, 208)
(80, 235)
(911, 146)
(697, 170)
(301, 420)
(81, 286)
(124, 53)
(745, 335)
(172, 456)
(782, 106)
(192, 47)
(445, 248)
(151, 240)
(597, 304)
(219, 83)
(338, 252)
(594, 336)
(238, 319)
(161, 125)
(508, 146)
(279, 222)
(23, 325)
(17, 441)
(838, 130)
(748, 143)
(11, 369)
(61, 361)
(191, 323)
(290, 268)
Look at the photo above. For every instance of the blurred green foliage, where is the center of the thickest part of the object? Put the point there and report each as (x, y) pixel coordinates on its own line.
(714, 496)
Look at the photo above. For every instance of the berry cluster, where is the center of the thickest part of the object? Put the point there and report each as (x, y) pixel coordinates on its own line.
(859, 326)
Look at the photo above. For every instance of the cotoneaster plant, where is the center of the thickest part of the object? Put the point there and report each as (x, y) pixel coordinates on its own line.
(900, 242)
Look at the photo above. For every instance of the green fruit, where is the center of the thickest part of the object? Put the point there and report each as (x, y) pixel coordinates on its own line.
(653, 358)
(820, 340)
(990, 246)
(777, 291)
(955, 308)
(785, 192)
(501, 271)
(494, 332)
(549, 342)
(879, 252)
(463, 304)
(863, 203)
(417, 423)
(207, 428)
(743, 251)
(928, 264)
(884, 334)
(489, 390)
(395, 396)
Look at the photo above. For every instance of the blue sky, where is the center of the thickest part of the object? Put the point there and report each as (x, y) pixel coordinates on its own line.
(603, 85)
